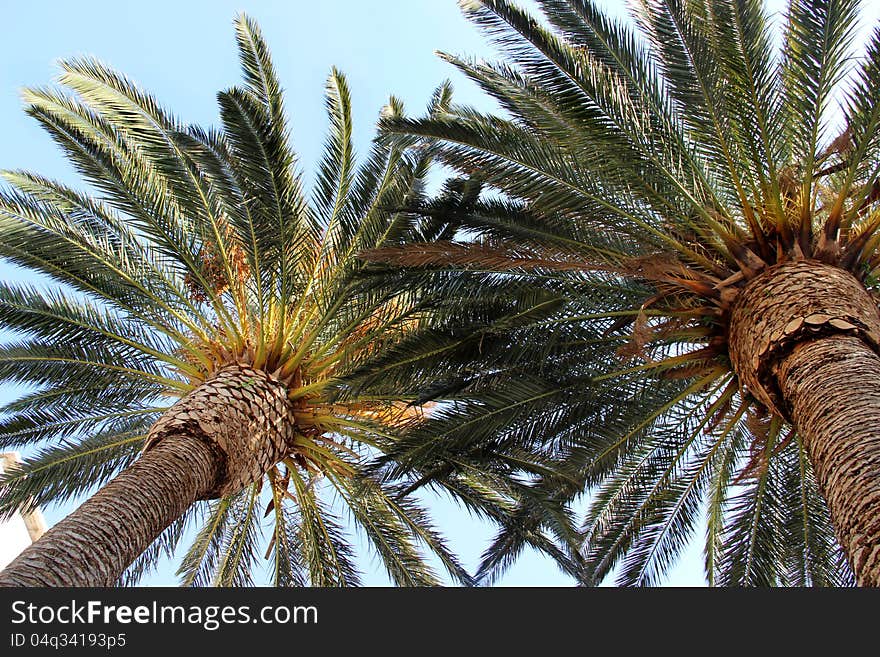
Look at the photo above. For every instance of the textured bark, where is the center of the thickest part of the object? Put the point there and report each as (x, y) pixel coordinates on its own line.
(787, 305)
(832, 387)
(244, 413)
(222, 436)
(94, 544)
(803, 340)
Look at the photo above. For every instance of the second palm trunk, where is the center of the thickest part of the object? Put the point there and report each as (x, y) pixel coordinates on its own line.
(804, 340)
(221, 437)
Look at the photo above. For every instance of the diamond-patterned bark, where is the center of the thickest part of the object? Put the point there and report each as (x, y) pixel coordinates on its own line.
(788, 304)
(244, 414)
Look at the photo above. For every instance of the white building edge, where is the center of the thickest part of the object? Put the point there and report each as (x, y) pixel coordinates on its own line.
(20, 530)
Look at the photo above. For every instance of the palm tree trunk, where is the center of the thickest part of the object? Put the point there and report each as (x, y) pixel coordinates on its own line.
(94, 545)
(833, 388)
(804, 338)
(221, 437)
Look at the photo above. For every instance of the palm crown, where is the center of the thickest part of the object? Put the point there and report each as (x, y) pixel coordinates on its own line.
(659, 179)
(201, 251)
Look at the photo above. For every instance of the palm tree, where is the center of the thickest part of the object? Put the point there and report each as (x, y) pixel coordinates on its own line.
(701, 198)
(201, 315)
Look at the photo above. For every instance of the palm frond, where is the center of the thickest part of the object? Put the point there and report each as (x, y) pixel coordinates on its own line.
(57, 474)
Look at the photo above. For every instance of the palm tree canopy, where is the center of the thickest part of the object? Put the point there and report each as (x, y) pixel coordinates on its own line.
(194, 249)
(644, 173)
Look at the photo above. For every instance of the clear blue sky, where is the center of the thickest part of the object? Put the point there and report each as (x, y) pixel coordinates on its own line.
(183, 51)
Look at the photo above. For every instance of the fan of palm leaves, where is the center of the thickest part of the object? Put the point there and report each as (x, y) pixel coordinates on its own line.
(197, 248)
(644, 173)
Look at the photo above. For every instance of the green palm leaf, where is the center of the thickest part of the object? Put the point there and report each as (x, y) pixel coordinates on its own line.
(197, 250)
(643, 175)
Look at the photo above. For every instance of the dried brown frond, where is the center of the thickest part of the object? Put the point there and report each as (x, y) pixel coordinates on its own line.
(689, 371)
(669, 270)
(480, 255)
(720, 414)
